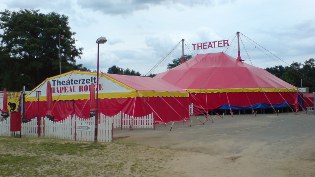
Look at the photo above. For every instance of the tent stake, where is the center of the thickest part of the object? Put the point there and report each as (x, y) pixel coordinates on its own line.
(172, 126)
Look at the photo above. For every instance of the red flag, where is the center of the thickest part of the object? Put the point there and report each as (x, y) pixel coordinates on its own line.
(49, 100)
(5, 101)
(92, 98)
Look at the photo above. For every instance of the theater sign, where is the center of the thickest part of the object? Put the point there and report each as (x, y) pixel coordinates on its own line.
(210, 45)
(76, 84)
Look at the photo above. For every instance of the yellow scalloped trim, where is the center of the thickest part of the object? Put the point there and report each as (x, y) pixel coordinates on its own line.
(242, 90)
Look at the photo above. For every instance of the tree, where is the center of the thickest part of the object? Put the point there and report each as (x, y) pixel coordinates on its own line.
(36, 41)
(131, 72)
(151, 75)
(297, 72)
(277, 71)
(8, 72)
(178, 61)
(308, 73)
(292, 74)
(117, 70)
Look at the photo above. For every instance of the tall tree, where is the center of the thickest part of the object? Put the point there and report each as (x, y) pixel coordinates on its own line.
(277, 71)
(8, 72)
(308, 74)
(38, 42)
(178, 61)
(297, 73)
(292, 74)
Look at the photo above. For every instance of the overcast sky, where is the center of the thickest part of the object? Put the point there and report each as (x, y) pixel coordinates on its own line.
(142, 32)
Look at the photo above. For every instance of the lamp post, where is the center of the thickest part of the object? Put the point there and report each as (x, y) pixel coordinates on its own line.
(100, 40)
(38, 93)
(59, 55)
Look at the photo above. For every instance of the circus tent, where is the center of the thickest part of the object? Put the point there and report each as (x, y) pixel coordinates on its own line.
(132, 95)
(219, 81)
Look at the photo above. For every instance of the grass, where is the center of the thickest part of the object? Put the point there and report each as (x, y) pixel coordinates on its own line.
(52, 157)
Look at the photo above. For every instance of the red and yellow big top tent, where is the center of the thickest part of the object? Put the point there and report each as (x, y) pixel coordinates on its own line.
(219, 81)
(132, 95)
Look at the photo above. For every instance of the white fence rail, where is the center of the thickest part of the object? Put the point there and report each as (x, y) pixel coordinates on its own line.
(30, 128)
(85, 129)
(79, 129)
(125, 121)
(5, 127)
(63, 129)
(105, 129)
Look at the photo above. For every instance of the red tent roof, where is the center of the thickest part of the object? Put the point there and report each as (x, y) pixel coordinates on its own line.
(140, 83)
(220, 71)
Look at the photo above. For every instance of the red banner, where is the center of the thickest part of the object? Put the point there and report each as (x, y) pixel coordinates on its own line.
(15, 122)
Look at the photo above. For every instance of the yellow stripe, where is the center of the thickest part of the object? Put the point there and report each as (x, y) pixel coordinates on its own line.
(162, 94)
(85, 96)
(242, 90)
(113, 95)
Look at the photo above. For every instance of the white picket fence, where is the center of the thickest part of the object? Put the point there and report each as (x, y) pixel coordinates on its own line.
(64, 129)
(5, 127)
(79, 129)
(30, 128)
(125, 121)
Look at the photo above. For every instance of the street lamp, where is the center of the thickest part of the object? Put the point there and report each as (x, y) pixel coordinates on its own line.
(100, 40)
(38, 93)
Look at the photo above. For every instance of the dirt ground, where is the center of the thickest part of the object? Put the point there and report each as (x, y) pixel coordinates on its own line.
(238, 146)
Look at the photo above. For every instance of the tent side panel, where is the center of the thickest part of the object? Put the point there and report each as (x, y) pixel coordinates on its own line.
(169, 109)
(165, 109)
(204, 102)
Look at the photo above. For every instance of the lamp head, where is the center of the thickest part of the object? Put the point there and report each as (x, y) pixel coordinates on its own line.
(101, 40)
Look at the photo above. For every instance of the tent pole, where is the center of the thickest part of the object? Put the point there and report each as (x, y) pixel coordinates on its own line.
(183, 57)
(238, 47)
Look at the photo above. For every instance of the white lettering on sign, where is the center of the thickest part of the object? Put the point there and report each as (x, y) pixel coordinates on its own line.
(211, 44)
(74, 88)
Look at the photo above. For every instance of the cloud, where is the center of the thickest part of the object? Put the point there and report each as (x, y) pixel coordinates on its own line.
(115, 7)
(37, 4)
(118, 7)
(278, 46)
(115, 41)
(160, 44)
(164, 49)
(291, 40)
(138, 60)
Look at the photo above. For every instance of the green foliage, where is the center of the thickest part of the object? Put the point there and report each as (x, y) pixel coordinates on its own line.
(151, 75)
(295, 72)
(35, 43)
(117, 70)
(178, 61)
(9, 73)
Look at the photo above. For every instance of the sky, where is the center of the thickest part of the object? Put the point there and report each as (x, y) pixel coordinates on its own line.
(141, 33)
